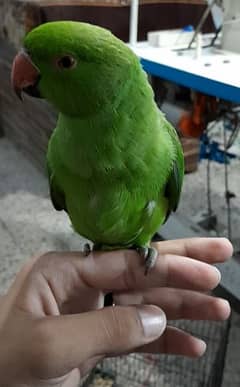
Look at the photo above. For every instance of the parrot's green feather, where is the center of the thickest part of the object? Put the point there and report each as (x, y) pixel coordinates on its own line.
(56, 194)
(175, 180)
(115, 163)
(173, 190)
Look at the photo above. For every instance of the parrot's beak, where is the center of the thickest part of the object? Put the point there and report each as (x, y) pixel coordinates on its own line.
(25, 75)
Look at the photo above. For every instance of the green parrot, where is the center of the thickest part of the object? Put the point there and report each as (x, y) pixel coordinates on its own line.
(115, 164)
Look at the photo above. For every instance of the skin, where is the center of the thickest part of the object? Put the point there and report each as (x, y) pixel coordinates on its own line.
(57, 300)
(112, 154)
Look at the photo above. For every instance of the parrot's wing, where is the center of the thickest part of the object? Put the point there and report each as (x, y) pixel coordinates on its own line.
(173, 190)
(175, 180)
(56, 194)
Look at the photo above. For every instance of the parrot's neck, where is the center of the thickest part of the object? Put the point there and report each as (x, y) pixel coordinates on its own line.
(115, 123)
(107, 138)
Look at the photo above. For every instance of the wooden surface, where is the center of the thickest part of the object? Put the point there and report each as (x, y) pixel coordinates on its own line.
(109, 3)
(152, 16)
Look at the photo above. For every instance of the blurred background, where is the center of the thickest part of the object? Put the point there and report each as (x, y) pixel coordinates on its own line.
(190, 50)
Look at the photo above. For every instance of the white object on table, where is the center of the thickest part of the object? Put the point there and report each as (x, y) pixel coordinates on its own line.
(231, 26)
(216, 72)
(170, 38)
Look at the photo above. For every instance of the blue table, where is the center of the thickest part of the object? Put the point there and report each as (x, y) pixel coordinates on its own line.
(215, 73)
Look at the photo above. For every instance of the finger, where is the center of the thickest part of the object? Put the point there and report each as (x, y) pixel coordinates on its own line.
(16, 286)
(179, 304)
(211, 250)
(174, 341)
(21, 276)
(123, 270)
(117, 270)
(71, 340)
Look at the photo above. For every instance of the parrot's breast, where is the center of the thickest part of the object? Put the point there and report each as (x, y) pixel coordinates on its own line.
(113, 174)
(114, 215)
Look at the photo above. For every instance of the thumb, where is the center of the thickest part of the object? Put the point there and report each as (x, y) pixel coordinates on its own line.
(109, 331)
(122, 329)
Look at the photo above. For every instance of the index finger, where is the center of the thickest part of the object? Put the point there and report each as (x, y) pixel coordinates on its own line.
(68, 273)
(178, 265)
(124, 270)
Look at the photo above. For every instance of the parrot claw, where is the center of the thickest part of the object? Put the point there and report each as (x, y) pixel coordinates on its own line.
(150, 256)
(86, 249)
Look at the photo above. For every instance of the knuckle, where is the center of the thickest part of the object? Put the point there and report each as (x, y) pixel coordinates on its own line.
(120, 328)
(111, 324)
(165, 260)
(49, 255)
(130, 272)
(47, 260)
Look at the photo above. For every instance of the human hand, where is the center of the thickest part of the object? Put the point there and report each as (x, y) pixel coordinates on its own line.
(54, 329)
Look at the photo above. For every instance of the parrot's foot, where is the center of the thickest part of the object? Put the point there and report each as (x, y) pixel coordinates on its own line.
(150, 256)
(86, 249)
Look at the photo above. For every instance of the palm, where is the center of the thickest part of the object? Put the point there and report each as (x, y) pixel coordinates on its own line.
(62, 290)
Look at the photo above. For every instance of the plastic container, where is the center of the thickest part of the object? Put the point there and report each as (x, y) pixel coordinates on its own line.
(170, 38)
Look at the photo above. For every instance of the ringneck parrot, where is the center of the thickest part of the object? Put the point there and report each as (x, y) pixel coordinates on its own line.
(115, 164)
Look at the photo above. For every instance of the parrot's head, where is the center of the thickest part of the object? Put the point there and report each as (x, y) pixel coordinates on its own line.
(77, 67)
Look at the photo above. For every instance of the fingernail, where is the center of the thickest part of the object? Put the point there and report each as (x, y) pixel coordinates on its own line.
(201, 348)
(225, 304)
(153, 320)
(224, 309)
(218, 273)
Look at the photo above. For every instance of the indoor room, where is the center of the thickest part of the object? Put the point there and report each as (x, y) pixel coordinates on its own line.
(119, 193)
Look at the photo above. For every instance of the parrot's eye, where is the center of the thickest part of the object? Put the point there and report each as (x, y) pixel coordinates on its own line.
(66, 62)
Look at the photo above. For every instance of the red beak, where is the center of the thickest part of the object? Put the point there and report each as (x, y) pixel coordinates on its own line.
(25, 75)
